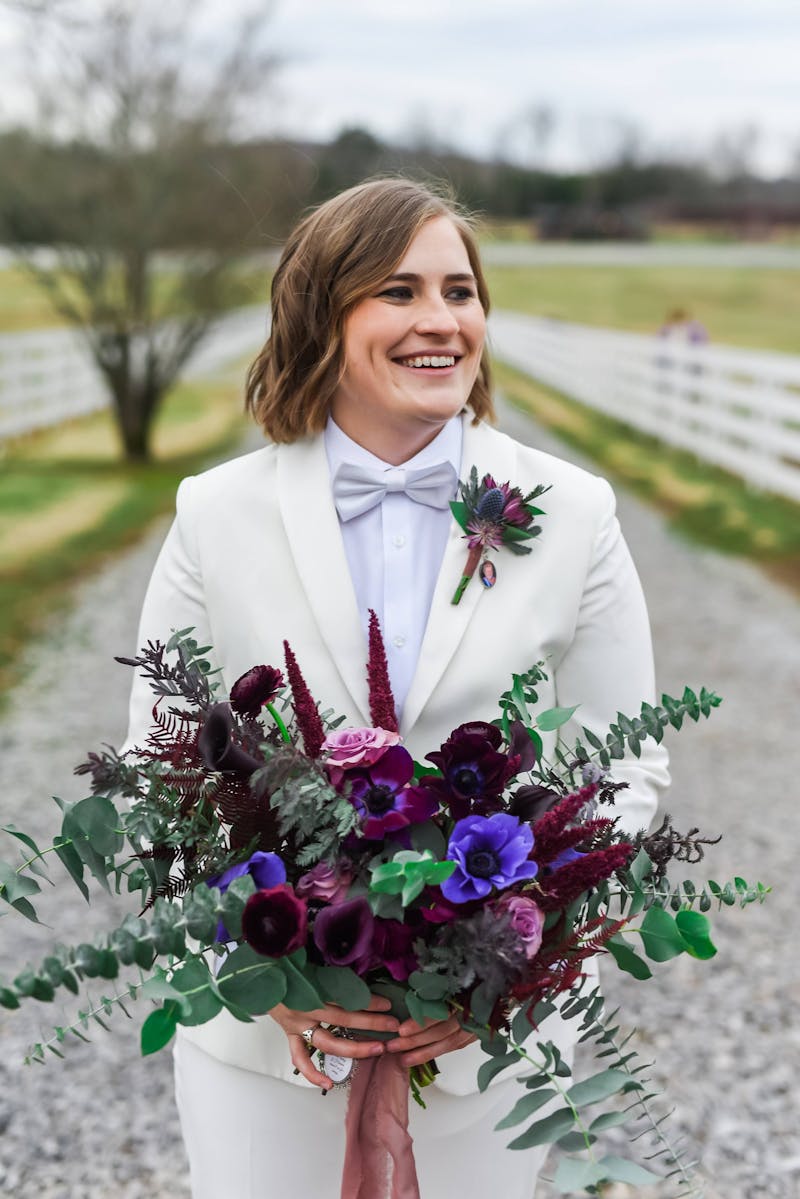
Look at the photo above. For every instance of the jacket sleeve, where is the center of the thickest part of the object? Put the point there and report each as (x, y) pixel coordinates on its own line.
(174, 600)
(608, 667)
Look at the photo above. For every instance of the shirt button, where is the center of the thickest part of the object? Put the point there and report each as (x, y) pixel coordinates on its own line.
(399, 541)
(398, 641)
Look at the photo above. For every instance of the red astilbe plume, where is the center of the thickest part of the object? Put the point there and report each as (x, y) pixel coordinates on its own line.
(557, 965)
(551, 831)
(568, 882)
(381, 701)
(305, 709)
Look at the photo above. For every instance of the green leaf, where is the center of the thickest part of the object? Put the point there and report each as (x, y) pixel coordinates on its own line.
(574, 1141)
(553, 718)
(488, 1070)
(627, 960)
(599, 1086)
(233, 903)
(616, 1169)
(195, 981)
(24, 838)
(546, 1131)
(251, 982)
(660, 935)
(641, 867)
(14, 887)
(695, 928)
(98, 821)
(429, 836)
(429, 985)
(159, 1027)
(576, 1174)
(461, 513)
(525, 1107)
(609, 1120)
(158, 987)
(341, 985)
(300, 994)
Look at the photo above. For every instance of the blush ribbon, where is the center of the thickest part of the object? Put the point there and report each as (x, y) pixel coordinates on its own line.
(379, 1155)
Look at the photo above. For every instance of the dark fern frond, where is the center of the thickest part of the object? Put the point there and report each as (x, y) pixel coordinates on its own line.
(666, 843)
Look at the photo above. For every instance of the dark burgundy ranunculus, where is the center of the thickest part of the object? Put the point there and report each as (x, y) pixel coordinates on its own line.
(475, 772)
(343, 933)
(253, 690)
(391, 946)
(382, 797)
(275, 921)
(218, 749)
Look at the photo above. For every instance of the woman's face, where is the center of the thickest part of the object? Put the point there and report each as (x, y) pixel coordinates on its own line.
(412, 348)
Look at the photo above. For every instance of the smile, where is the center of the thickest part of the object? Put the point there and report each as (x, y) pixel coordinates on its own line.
(437, 360)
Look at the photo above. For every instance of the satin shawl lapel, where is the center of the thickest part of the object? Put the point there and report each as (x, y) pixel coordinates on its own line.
(492, 453)
(315, 539)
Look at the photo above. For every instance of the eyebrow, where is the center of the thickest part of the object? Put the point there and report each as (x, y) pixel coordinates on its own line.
(410, 277)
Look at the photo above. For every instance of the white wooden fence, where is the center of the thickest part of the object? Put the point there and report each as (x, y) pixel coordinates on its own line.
(47, 375)
(739, 409)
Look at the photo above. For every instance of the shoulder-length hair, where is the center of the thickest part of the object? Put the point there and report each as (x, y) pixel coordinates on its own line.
(335, 257)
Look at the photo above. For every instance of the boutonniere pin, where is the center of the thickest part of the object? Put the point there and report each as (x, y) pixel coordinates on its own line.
(492, 515)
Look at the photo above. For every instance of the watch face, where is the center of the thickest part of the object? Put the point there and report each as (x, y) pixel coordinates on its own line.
(337, 1068)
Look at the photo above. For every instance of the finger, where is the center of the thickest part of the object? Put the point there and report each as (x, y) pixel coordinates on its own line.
(457, 1041)
(433, 1032)
(302, 1061)
(369, 1021)
(344, 1047)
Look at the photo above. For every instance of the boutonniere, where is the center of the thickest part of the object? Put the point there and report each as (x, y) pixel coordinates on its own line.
(492, 515)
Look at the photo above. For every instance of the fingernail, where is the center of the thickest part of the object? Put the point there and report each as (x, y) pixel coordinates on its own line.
(376, 1050)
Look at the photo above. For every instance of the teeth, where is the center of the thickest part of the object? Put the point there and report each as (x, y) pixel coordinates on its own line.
(430, 360)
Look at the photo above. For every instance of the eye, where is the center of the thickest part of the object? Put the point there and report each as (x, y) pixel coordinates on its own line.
(461, 293)
(398, 292)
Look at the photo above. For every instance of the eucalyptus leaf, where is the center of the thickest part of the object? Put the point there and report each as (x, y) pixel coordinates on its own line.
(341, 985)
(695, 928)
(617, 1169)
(300, 994)
(546, 1131)
(599, 1086)
(494, 1066)
(159, 1028)
(525, 1107)
(249, 981)
(195, 981)
(627, 959)
(660, 935)
(554, 718)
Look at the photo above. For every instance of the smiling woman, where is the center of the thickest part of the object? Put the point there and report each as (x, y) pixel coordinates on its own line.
(374, 388)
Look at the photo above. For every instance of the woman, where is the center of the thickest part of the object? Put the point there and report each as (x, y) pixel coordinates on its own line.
(374, 387)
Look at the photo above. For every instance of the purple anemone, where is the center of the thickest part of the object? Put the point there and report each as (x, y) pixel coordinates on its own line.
(475, 771)
(381, 795)
(489, 851)
(266, 870)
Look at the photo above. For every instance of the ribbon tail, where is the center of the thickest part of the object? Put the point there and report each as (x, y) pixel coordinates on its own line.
(379, 1155)
(473, 558)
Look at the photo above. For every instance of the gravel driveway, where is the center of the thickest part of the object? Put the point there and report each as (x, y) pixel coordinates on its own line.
(102, 1125)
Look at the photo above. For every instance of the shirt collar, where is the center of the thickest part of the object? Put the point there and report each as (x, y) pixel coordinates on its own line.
(445, 447)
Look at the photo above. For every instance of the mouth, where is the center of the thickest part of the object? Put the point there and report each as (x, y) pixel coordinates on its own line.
(436, 362)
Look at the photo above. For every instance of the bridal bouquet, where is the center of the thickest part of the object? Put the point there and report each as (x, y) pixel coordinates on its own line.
(281, 858)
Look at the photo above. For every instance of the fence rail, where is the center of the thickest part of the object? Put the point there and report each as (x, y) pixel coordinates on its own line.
(739, 409)
(48, 376)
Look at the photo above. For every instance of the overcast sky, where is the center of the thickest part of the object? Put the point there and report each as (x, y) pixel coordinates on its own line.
(467, 71)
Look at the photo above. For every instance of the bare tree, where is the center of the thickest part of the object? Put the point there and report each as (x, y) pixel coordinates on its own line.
(131, 178)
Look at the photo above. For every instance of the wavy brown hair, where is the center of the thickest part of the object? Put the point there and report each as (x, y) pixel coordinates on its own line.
(335, 257)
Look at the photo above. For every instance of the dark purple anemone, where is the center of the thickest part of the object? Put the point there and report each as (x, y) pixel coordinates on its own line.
(275, 921)
(392, 947)
(343, 933)
(489, 852)
(382, 797)
(266, 870)
(474, 772)
(253, 690)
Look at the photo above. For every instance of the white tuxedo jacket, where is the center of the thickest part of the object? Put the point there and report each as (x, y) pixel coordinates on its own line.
(255, 555)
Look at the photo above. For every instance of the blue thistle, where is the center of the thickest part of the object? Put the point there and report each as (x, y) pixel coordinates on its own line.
(491, 504)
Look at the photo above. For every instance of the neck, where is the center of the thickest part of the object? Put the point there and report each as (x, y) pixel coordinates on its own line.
(392, 445)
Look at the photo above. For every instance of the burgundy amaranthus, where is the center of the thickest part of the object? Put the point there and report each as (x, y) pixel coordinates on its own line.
(568, 882)
(551, 832)
(381, 701)
(305, 709)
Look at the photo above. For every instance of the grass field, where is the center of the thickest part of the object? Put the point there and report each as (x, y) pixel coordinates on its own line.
(706, 504)
(754, 307)
(67, 501)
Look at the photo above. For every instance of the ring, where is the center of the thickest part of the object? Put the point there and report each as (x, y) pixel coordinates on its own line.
(308, 1037)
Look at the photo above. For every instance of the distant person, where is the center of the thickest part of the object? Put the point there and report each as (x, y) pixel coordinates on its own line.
(680, 326)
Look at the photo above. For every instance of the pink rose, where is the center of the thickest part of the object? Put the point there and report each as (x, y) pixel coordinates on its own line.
(527, 920)
(354, 748)
(328, 883)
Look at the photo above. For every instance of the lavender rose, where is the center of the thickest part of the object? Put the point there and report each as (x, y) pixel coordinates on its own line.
(355, 747)
(324, 882)
(527, 920)
(275, 921)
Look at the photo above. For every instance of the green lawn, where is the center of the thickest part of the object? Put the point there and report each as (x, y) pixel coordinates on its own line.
(67, 502)
(740, 307)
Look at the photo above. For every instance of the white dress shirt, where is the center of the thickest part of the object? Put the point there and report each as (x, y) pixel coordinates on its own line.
(394, 551)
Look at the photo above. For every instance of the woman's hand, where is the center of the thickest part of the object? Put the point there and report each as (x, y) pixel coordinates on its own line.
(295, 1023)
(417, 1045)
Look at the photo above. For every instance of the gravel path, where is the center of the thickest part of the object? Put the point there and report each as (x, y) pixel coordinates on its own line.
(722, 1034)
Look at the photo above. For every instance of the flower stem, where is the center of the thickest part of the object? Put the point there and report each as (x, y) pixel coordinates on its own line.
(473, 559)
(282, 729)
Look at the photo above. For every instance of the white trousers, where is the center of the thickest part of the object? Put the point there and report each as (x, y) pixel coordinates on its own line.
(250, 1136)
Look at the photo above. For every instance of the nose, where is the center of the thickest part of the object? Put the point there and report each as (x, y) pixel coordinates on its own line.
(435, 316)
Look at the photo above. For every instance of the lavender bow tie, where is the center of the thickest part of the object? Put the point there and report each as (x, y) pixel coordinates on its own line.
(356, 489)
